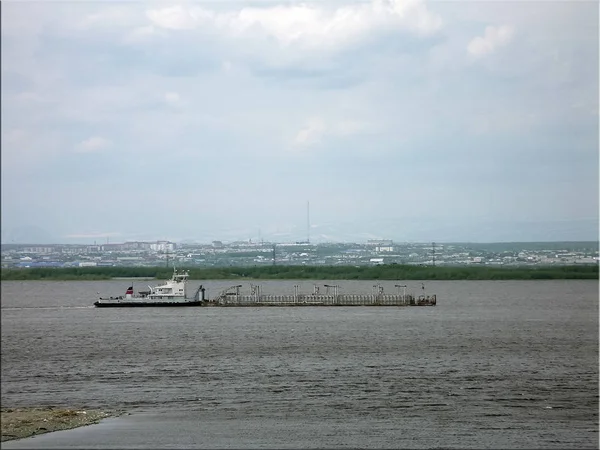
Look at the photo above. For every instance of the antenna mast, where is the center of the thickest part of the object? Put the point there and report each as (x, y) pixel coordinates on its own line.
(308, 222)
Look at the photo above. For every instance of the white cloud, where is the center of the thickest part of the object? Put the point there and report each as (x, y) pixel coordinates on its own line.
(93, 144)
(308, 26)
(311, 133)
(172, 98)
(143, 34)
(493, 38)
(316, 129)
(176, 17)
(120, 16)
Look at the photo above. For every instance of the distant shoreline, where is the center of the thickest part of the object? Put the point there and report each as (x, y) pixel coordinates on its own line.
(134, 278)
(281, 272)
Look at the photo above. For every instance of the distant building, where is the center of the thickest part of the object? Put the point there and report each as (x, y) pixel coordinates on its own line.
(135, 245)
(39, 249)
(163, 246)
(87, 264)
(380, 242)
(41, 264)
(111, 247)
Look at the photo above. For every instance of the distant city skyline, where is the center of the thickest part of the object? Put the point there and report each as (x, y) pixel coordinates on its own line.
(245, 253)
(412, 120)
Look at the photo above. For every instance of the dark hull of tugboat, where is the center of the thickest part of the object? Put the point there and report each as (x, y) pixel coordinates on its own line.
(146, 304)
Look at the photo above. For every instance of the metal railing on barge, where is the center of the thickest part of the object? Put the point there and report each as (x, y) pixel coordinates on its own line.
(232, 297)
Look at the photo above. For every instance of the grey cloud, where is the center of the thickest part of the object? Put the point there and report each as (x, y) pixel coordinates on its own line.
(15, 82)
(310, 78)
(92, 60)
(345, 68)
(508, 137)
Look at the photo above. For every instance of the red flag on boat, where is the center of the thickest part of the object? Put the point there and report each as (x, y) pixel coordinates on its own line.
(129, 290)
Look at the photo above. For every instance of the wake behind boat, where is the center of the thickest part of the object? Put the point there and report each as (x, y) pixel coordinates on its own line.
(171, 293)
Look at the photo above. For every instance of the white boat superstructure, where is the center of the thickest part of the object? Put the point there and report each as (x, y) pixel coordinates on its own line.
(173, 289)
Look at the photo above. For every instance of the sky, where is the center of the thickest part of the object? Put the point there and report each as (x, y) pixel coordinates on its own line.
(417, 121)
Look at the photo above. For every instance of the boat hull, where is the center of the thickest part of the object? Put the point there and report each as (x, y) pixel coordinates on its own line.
(145, 304)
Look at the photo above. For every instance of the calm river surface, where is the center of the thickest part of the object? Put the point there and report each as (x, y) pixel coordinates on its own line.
(496, 364)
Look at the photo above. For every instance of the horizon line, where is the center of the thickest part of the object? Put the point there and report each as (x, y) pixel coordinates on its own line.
(186, 241)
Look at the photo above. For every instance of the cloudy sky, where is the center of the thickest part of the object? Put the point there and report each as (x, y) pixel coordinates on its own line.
(402, 119)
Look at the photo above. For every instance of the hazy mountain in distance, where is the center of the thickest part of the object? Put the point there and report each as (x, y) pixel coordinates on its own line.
(398, 230)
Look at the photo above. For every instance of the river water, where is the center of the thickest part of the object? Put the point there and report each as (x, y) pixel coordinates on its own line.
(496, 364)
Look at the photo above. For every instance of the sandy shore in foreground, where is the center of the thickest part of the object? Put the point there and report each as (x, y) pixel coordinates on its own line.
(18, 423)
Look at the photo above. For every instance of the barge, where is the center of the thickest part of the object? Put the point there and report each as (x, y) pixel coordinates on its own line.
(233, 296)
(174, 293)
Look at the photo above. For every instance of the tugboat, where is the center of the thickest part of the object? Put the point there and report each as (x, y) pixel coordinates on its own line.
(170, 293)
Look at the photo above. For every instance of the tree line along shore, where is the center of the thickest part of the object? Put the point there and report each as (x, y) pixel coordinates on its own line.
(280, 272)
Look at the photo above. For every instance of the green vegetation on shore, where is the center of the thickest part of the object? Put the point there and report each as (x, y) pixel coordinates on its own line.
(280, 272)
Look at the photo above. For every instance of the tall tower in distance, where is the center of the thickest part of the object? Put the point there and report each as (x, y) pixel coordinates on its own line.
(307, 241)
(307, 222)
